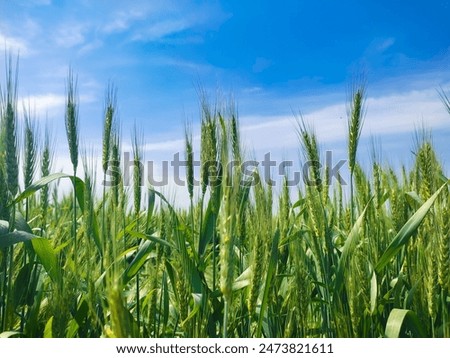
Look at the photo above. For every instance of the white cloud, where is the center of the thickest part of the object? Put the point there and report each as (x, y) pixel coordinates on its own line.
(378, 46)
(16, 45)
(161, 29)
(402, 112)
(169, 146)
(138, 13)
(251, 90)
(159, 20)
(50, 104)
(123, 20)
(383, 45)
(192, 67)
(45, 103)
(91, 46)
(71, 35)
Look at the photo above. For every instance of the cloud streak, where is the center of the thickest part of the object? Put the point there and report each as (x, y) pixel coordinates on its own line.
(45, 103)
(71, 35)
(161, 20)
(15, 44)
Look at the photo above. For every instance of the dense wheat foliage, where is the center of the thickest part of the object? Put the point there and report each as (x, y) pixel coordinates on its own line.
(369, 260)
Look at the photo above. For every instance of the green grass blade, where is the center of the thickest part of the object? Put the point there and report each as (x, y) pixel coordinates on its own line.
(23, 290)
(141, 257)
(79, 188)
(15, 237)
(11, 334)
(187, 263)
(4, 227)
(208, 228)
(407, 231)
(404, 323)
(155, 239)
(270, 273)
(47, 257)
(373, 293)
(166, 300)
(150, 208)
(38, 185)
(197, 300)
(77, 183)
(243, 280)
(48, 330)
(171, 273)
(347, 251)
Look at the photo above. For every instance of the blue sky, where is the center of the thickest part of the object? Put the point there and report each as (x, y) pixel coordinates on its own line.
(274, 57)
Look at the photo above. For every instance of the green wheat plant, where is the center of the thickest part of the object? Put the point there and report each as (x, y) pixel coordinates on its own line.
(243, 258)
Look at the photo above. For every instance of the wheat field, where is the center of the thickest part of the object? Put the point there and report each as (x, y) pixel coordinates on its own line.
(371, 259)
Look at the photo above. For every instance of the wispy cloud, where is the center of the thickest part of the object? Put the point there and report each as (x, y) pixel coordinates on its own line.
(169, 146)
(71, 34)
(45, 103)
(380, 51)
(251, 90)
(174, 22)
(162, 29)
(381, 45)
(50, 104)
(160, 20)
(122, 20)
(91, 46)
(400, 113)
(191, 66)
(15, 44)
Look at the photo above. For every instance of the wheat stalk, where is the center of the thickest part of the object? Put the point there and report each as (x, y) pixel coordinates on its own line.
(108, 124)
(137, 197)
(46, 164)
(72, 125)
(354, 127)
(71, 120)
(10, 128)
(310, 148)
(189, 153)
